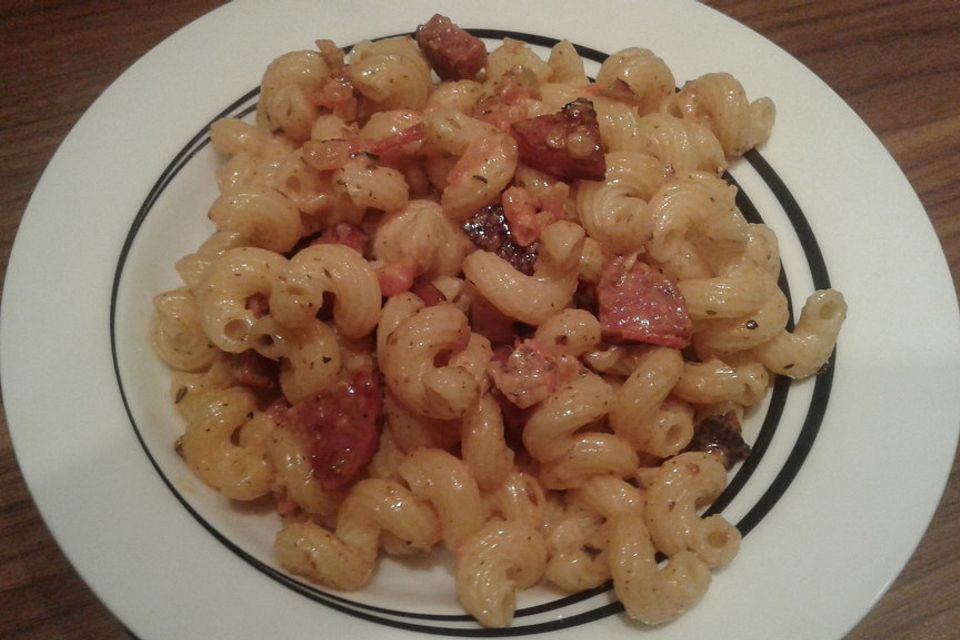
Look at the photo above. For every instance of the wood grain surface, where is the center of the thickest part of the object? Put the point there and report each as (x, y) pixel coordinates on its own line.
(896, 63)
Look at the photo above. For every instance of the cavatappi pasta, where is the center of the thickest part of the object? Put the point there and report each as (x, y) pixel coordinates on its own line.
(475, 300)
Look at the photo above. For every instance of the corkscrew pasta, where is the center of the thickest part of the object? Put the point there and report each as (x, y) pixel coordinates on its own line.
(474, 299)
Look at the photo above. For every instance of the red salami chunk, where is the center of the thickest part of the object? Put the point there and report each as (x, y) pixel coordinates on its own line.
(640, 304)
(452, 52)
(565, 144)
(340, 428)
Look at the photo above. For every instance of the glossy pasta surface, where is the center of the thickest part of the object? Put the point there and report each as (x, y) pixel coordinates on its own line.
(468, 298)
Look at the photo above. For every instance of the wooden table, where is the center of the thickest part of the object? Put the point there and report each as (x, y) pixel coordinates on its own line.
(897, 64)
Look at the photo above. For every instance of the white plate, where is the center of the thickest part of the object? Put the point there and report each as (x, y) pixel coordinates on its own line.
(833, 509)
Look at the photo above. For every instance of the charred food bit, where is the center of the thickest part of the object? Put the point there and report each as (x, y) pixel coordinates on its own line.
(720, 437)
(489, 230)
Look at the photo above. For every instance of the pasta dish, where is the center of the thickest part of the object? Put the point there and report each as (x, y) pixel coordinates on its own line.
(477, 300)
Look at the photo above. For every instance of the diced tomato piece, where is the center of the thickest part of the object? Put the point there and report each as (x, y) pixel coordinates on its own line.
(286, 506)
(345, 233)
(514, 418)
(452, 52)
(528, 374)
(527, 214)
(424, 289)
(327, 155)
(490, 322)
(641, 304)
(514, 95)
(340, 428)
(565, 144)
(390, 149)
(395, 278)
(253, 370)
(618, 90)
(336, 96)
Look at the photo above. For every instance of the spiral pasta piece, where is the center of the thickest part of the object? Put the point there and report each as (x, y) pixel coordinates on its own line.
(805, 350)
(232, 136)
(345, 558)
(483, 446)
(263, 218)
(283, 102)
(510, 55)
(520, 497)
(641, 395)
(681, 144)
(730, 335)
(615, 212)
(240, 471)
(310, 359)
(408, 358)
(328, 268)
(550, 429)
(229, 283)
(699, 205)
(577, 545)
(479, 175)
(447, 483)
(718, 101)
(648, 77)
(565, 64)
(177, 333)
(307, 549)
(650, 594)
(391, 73)
(570, 332)
(410, 431)
(593, 454)
(421, 236)
(493, 564)
(680, 486)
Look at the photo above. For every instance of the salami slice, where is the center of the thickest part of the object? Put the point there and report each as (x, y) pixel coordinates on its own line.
(564, 144)
(340, 428)
(640, 304)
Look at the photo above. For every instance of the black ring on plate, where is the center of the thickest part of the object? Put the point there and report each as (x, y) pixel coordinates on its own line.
(402, 619)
